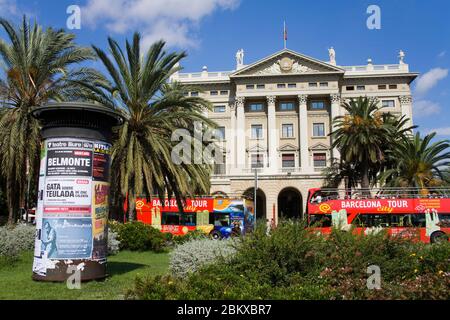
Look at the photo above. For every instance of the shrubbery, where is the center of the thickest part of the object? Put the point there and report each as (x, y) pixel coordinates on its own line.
(14, 240)
(294, 263)
(191, 256)
(137, 236)
(113, 242)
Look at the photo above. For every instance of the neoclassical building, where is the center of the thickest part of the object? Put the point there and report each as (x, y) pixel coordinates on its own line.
(275, 116)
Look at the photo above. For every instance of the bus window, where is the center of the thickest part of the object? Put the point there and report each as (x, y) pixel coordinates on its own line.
(320, 220)
(359, 221)
(221, 220)
(371, 220)
(408, 220)
(189, 219)
(171, 218)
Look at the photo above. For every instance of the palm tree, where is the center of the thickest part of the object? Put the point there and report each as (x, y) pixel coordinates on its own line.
(35, 65)
(361, 136)
(419, 163)
(137, 85)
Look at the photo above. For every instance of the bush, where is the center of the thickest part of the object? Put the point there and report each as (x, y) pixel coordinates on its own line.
(14, 240)
(196, 234)
(136, 236)
(295, 263)
(113, 242)
(191, 256)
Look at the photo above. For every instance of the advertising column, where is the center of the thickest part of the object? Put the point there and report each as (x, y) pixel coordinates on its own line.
(72, 210)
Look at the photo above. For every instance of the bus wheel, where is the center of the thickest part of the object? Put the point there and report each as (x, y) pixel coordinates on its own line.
(215, 235)
(438, 237)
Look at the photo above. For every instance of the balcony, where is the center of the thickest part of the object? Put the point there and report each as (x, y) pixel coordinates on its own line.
(370, 69)
(201, 76)
(291, 170)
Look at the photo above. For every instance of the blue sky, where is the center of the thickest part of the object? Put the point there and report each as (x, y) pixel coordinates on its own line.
(213, 30)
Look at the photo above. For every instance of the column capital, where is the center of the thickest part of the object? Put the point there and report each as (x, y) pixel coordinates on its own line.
(302, 98)
(271, 99)
(335, 98)
(405, 99)
(239, 102)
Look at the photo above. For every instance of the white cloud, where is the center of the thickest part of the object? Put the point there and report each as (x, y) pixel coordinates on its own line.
(424, 108)
(172, 20)
(443, 131)
(8, 7)
(430, 79)
(442, 54)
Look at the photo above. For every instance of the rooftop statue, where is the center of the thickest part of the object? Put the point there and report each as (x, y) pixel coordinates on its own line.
(332, 55)
(239, 58)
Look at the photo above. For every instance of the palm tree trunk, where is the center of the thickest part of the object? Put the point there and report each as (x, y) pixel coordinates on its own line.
(365, 184)
(131, 208)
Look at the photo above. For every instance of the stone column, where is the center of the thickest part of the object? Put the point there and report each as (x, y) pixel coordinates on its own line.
(231, 141)
(304, 137)
(272, 135)
(240, 134)
(406, 105)
(335, 112)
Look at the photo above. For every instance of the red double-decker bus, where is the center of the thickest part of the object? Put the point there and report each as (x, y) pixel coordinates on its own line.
(418, 214)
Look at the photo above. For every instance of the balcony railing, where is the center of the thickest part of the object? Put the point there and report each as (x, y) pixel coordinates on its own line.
(291, 170)
(382, 68)
(201, 76)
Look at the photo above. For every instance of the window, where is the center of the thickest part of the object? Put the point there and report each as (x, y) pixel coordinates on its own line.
(320, 159)
(219, 133)
(288, 160)
(388, 103)
(250, 86)
(324, 84)
(350, 88)
(288, 130)
(381, 87)
(257, 132)
(257, 160)
(292, 85)
(312, 84)
(392, 86)
(281, 85)
(360, 88)
(214, 93)
(256, 107)
(286, 106)
(317, 105)
(171, 218)
(189, 219)
(220, 168)
(318, 129)
(194, 94)
(320, 220)
(185, 93)
(223, 92)
(260, 86)
(219, 109)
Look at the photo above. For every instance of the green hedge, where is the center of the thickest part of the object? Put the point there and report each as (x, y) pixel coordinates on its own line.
(137, 236)
(294, 263)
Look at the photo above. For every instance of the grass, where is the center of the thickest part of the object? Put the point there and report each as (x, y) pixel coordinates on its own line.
(16, 282)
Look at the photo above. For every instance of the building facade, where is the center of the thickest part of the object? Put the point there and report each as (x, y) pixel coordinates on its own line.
(275, 116)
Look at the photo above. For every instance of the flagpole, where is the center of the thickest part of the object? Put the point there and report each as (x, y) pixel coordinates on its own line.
(284, 33)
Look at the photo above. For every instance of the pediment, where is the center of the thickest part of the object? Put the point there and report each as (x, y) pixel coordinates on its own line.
(288, 147)
(319, 147)
(257, 148)
(286, 62)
